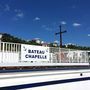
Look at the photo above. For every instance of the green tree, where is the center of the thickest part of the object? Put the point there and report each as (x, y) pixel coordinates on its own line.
(9, 38)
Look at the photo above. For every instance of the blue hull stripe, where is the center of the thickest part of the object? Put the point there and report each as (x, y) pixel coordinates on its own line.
(44, 83)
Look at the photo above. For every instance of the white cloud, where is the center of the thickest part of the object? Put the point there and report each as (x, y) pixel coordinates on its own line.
(20, 15)
(36, 19)
(63, 22)
(17, 10)
(88, 35)
(76, 24)
(17, 13)
(7, 7)
(45, 27)
(4, 8)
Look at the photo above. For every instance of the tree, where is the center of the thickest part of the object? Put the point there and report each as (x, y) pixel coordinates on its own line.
(9, 38)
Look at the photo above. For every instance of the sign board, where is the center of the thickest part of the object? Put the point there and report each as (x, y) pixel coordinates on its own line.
(34, 53)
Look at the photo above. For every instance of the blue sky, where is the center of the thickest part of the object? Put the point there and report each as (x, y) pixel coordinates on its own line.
(29, 19)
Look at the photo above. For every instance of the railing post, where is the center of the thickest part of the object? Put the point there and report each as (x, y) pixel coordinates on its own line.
(19, 49)
(60, 54)
(3, 51)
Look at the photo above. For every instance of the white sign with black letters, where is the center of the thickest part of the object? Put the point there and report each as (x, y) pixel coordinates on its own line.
(34, 53)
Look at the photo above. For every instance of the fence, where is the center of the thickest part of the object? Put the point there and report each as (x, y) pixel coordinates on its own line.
(11, 53)
(61, 55)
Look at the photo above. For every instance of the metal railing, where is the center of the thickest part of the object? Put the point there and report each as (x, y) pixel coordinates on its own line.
(10, 47)
(9, 52)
